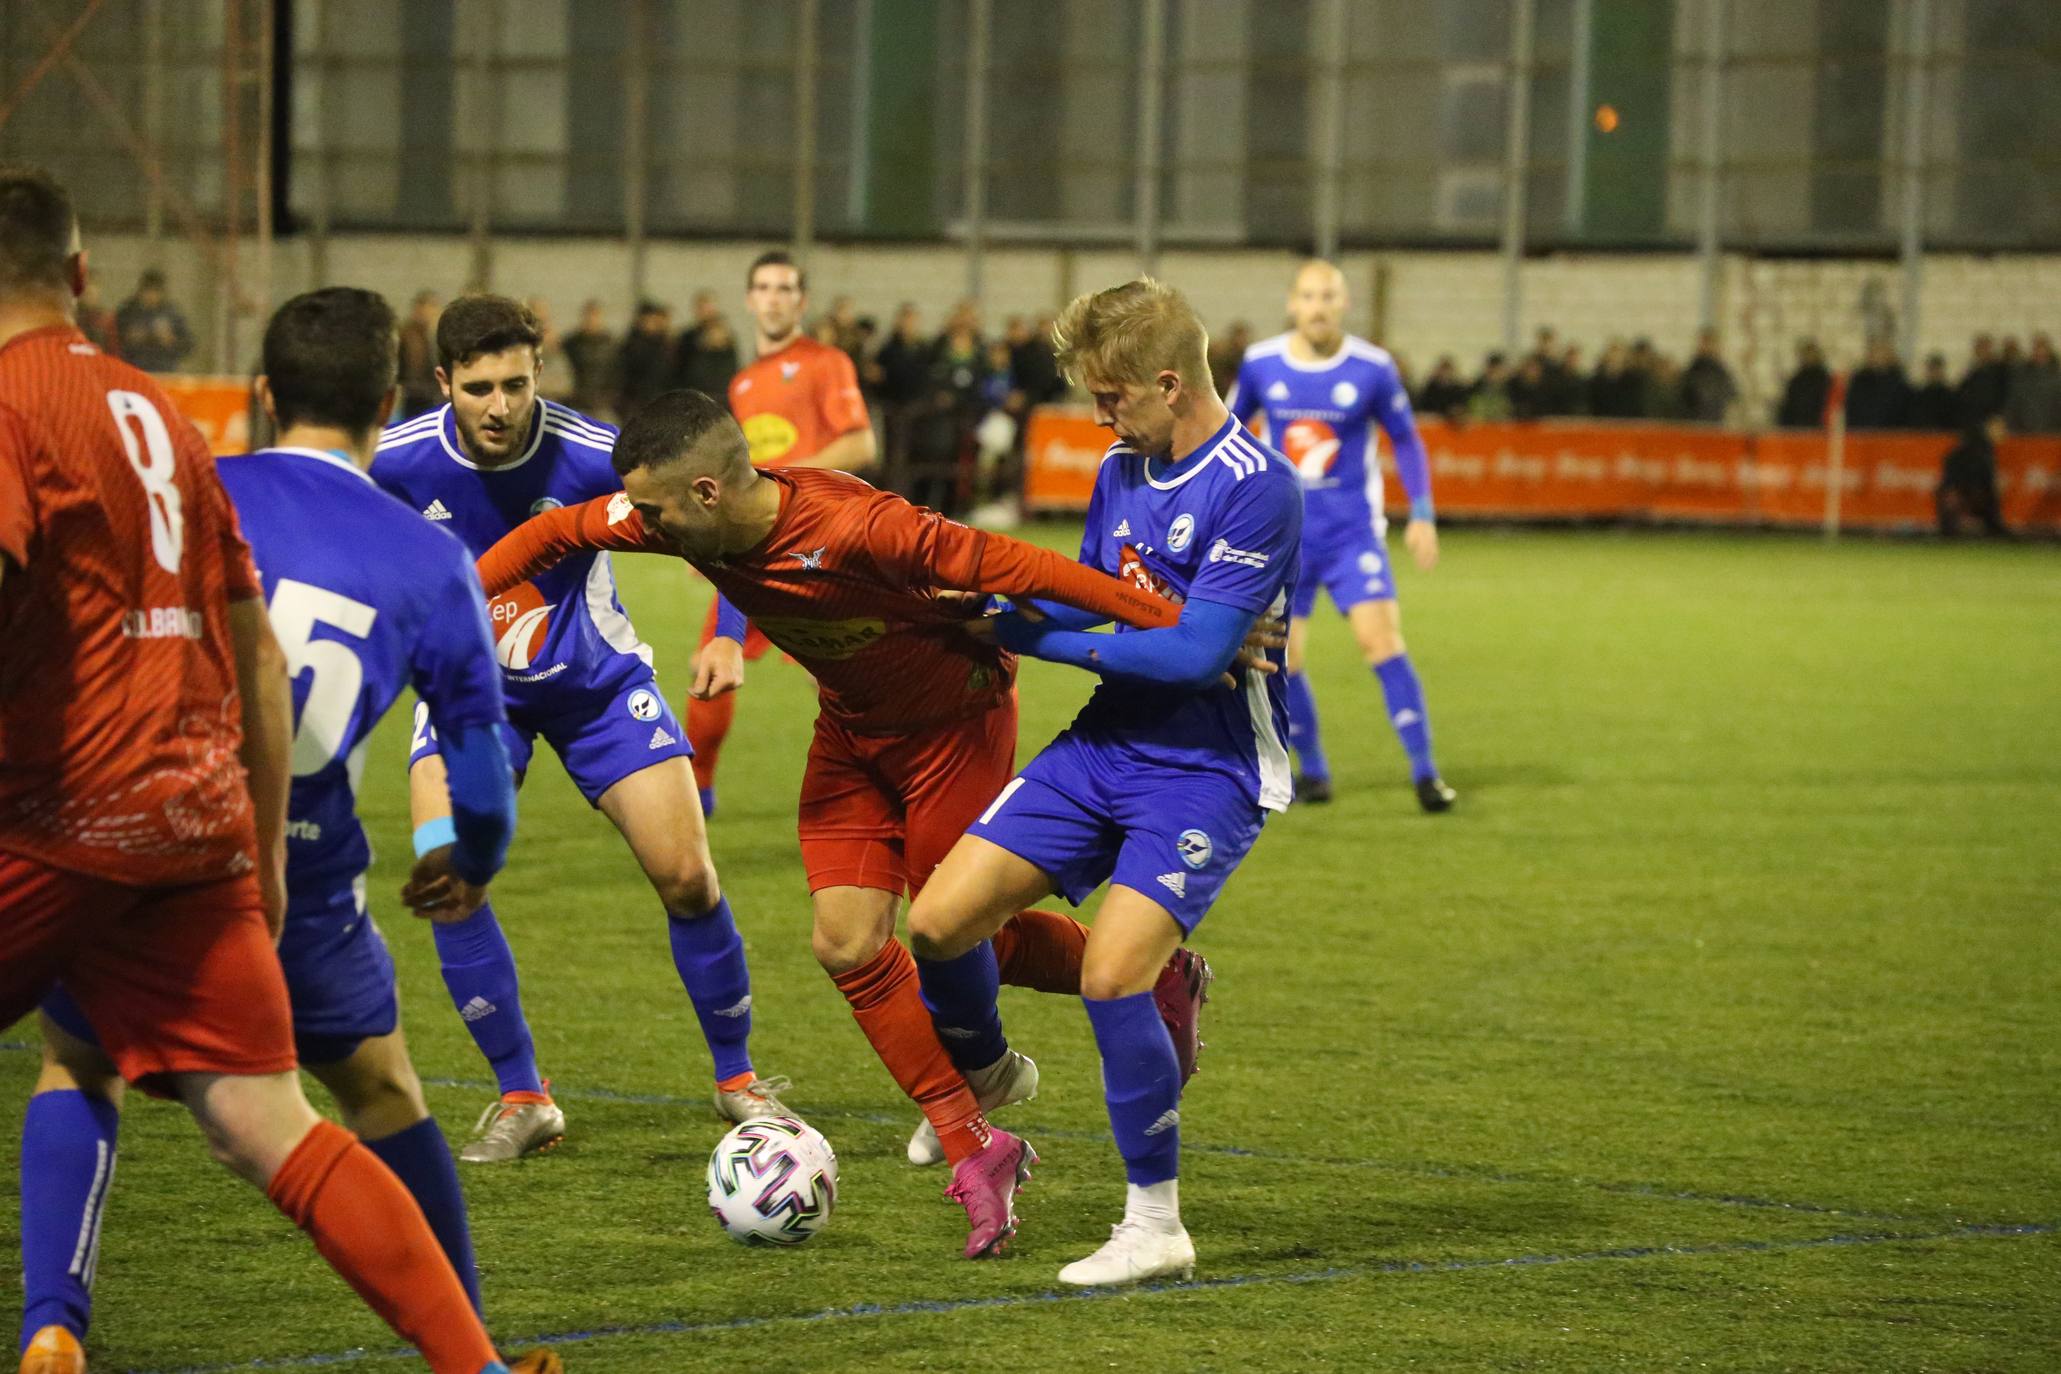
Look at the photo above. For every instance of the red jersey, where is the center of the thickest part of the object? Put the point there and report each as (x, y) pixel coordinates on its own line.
(792, 403)
(119, 716)
(847, 582)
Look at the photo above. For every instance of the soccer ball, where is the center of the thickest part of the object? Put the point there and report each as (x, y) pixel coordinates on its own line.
(772, 1182)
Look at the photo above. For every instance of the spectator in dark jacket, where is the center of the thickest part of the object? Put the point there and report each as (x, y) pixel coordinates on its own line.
(644, 364)
(153, 333)
(1985, 386)
(1445, 391)
(1968, 480)
(712, 362)
(1707, 386)
(1614, 388)
(1031, 363)
(2034, 406)
(903, 362)
(1805, 394)
(591, 351)
(1878, 395)
(1933, 405)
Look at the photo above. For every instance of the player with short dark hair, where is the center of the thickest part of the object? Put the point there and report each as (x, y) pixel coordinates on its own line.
(1324, 394)
(799, 403)
(576, 674)
(1162, 782)
(366, 598)
(145, 755)
(917, 728)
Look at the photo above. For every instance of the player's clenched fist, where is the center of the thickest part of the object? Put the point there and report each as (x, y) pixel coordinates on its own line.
(436, 892)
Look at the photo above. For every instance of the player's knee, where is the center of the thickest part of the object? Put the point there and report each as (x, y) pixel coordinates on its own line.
(378, 1096)
(840, 950)
(1380, 643)
(1105, 983)
(691, 889)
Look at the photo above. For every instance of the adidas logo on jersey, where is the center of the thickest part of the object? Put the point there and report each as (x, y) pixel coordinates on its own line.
(1168, 1119)
(1278, 391)
(1122, 530)
(660, 739)
(742, 1008)
(436, 510)
(1176, 883)
(478, 1009)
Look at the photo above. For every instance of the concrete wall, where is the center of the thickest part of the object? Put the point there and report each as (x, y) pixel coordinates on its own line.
(1420, 304)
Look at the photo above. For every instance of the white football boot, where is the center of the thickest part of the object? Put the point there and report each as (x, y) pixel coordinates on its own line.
(1009, 1080)
(1133, 1254)
(518, 1124)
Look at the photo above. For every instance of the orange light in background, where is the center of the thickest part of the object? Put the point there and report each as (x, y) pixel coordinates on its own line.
(1606, 119)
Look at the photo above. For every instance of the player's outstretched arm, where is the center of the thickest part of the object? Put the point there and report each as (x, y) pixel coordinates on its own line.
(607, 523)
(1190, 655)
(267, 696)
(927, 548)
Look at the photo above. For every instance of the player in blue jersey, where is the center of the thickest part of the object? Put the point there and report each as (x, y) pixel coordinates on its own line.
(1162, 782)
(576, 674)
(1324, 393)
(365, 600)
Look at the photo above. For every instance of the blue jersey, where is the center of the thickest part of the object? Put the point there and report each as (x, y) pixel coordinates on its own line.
(365, 600)
(1225, 526)
(1324, 417)
(562, 640)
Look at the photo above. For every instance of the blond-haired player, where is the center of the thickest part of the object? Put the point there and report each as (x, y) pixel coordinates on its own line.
(1162, 782)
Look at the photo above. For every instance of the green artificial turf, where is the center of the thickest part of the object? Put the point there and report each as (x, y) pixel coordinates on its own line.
(1719, 1027)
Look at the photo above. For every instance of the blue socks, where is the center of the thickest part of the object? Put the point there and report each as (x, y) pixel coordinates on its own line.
(67, 1166)
(1406, 712)
(961, 996)
(1142, 1080)
(709, 954)
(1302, 728)
(421, 1159)
(479, 971)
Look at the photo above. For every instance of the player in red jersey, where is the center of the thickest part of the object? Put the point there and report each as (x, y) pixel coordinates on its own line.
(917, 731)
(144, 753)
(799, 404)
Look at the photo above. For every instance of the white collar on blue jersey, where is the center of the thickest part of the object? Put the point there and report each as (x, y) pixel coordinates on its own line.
(1205, 453)
(447, 426)
(1345, 351)
(322, 455)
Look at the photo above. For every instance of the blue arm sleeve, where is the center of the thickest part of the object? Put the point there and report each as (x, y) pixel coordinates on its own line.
(731, 623)
(1412, 464)
(1069, 617)
(482, 800)
(1191, 655)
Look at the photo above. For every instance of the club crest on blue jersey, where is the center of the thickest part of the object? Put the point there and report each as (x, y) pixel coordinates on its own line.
(1195, 847)
(544, 503)
(643, 705)
(1181, 532)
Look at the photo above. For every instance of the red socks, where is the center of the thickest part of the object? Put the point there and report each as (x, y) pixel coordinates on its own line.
(1042, 950)
(372, 1233)
(888, 1005)
(708, 725)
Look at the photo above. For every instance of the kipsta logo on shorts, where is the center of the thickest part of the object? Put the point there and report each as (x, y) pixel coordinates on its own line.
(1182, 530)
(544, 503)
(1344, 394)
(643, 705)
(1194, 848)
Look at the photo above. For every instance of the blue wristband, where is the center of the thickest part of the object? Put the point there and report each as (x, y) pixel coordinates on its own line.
(1420, 509)
(435, 835)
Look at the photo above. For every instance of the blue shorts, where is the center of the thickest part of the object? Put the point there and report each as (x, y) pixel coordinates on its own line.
(1352, 566)
(1085, 818)
(339, 979)
(600, 742)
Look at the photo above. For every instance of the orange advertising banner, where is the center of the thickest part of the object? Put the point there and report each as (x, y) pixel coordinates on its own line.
(1582, 470)
(218, 406)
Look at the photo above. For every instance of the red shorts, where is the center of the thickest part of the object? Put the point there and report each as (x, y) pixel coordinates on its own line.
(755, 644)
(174, 979)
(882, 811)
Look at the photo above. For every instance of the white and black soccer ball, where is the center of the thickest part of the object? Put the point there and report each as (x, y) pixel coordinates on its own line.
(772, 1182)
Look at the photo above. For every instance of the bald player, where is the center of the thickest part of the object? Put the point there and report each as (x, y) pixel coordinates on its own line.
(1324, 393)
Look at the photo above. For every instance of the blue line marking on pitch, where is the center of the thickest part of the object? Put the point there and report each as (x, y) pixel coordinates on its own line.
(860, 1311)
(1657, 1192)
